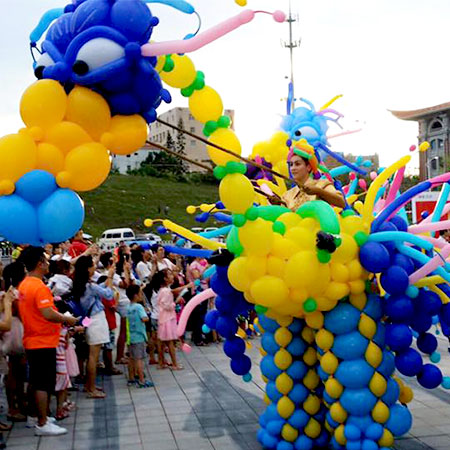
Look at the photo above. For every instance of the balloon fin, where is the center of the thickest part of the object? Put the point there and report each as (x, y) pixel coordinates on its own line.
(180, 5)
(290, 99)
(329, 103)
(45, 23)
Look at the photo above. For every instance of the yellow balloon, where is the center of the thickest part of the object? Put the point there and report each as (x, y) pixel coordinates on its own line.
(285, 407)
(282, 359)
(275, 266)
(43, 104)
(86, 167)
(340, 436)
(307, 260)
(308, 335)
(406, 395)
(357, 286)
(66, 136)
(256, 266)
(355, 270)
(303, 237)
(283, 248)
(227, 139)
(284, 321)
(378, 384)
(311, 405)
(338, 413)
(374, 355)
(352, 224)
(257, 237)
(182, 75)
(49, 158)
(289, 433)
(329, 363)
(18, 155)
(237, 193)
(347, 251)
(358, 300)
(315, 320)
(337, 291)
(284, 383)
(269, 291)
(283, 337)
(324, 339)
(339, 272)
(290, 219)
(311, 380)
(367, 326)
(310, 356)
(313, 428)
(237, 274)
(334, 388)
(380, 412)
(206, 105)
(298, 295)
(324, 276)
(387, 440)
(125, 135)
(89, 110)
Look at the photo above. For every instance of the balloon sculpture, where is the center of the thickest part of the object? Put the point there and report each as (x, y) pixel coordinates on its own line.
(341, 295)
(100, 84)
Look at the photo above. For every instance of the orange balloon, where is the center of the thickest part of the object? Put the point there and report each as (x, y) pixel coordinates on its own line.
(66, 136)
(49, 158)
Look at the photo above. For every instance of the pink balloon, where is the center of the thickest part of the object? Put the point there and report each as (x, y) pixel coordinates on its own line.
(431, 265)
(187, 310)
(186, 348)
(362, 184)
(208, 36)
(429, 226)
(345, 189)
(412, 148)
(373, 175)
(352, 175)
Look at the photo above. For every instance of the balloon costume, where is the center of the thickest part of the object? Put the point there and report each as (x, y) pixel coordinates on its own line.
(341, 295)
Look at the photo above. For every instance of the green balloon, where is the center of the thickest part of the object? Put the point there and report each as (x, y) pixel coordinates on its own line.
(323, 212)
(233, 243)
(272, 212)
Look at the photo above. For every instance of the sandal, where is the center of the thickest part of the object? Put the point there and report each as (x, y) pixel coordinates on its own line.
(69, 406)
(114, 371)
(96, 394)
(179, 367)
(5, 426)
(97, 388)
(122, 361)
(164, 366)
(144, 385)
(16, 417)
(62, 415)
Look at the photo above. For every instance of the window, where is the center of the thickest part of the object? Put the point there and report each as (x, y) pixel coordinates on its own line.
(116, 236)
(436, 125)
(103, 236)
(128, 234)
(128, 156)
(192, 129)
(109, 236)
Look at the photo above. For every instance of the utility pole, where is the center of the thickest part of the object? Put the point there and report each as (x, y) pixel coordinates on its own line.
(291, 45)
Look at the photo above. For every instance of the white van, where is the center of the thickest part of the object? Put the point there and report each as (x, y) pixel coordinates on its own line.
(111, 238)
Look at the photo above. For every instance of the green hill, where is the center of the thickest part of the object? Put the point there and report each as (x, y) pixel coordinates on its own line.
(126, 200)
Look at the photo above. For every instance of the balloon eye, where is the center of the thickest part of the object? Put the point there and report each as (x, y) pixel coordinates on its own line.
(39, 72)
(298, 133)
(80, 68)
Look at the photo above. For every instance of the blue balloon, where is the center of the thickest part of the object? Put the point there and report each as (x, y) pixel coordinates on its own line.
(270, 442)
(226, 327)
(303, 442)
(322, 374)
(267, 324)
(399, 308)
(284, 445)
(358, 402)
(297, 347)
(298, 393)
(428, 302)
(223, 305)
(374, 257)
(409, 362)
(273, 393)
(60, 216)
(298, 419)
(297, 370)
(211, 318)
(398, 337)
(352, 433)
(374, 431)
(353, 445)
(234, 347)
(350, 345)
(400, 420)
(18, 220)
(342, 319)
(427, 343)
(380, 336)
(369, 445)
(392, 392)
(322, 440)
(330, 421)
(430, 377)
(36, 186)
(362, 422)
(421, 322)
(272, 412)
(374, 308)
(354, 374)
(395, 280)
(296, 326)
(399, 223)
(241, 365)
(405, 262)
(387, 366)
(269, 344)
(269, 369)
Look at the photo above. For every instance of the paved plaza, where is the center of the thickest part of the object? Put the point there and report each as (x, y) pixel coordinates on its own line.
(203, 407)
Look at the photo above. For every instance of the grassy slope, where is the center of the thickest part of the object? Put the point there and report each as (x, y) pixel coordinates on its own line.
(126, 200)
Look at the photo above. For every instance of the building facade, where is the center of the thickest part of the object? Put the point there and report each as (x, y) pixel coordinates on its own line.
(434, 127)
(194, 149)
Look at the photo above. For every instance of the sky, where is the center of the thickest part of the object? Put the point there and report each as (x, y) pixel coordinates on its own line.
(380, 55)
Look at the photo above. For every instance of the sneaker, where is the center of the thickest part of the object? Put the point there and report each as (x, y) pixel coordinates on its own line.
(131, 382)
(49, 429)
(144, 385)
(32, 421)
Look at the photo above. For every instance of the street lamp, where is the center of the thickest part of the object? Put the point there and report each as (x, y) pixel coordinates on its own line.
(428, 165)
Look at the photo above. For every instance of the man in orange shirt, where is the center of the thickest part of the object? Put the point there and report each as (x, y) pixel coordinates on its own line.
(42, 324)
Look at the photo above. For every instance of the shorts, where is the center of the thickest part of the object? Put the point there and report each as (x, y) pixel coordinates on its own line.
(112, 340)
(154, 324)
(42, 369)
(137, 351)
(98, 331)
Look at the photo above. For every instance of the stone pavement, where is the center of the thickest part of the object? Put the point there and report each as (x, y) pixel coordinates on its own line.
(202, 407)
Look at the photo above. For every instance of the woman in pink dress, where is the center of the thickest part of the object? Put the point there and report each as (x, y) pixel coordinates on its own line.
(167, 320)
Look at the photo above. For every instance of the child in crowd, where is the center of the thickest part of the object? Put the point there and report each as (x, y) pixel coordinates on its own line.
(137, 317)
(61, 283)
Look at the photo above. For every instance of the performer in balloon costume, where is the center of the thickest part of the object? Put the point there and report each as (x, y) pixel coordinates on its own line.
(344, 295)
